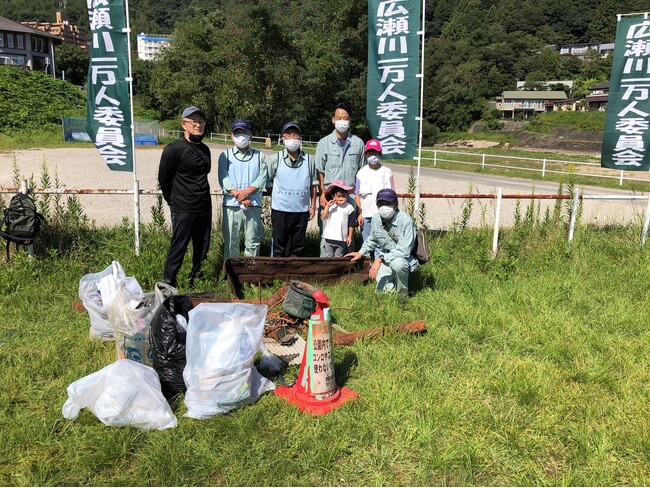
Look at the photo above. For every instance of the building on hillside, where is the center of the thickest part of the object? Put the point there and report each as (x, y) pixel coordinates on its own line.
(521, 85)
(569, 105)
(581, 50)
(150, 44)
(526, 103)
(597, 98)
(27, 48)
(62, 29)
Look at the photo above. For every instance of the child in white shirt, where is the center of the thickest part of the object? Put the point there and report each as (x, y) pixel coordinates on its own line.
(338, 219)
(370, 179)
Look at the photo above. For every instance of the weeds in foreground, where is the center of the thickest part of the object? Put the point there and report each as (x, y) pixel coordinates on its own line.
(529, 373)
(411, 188)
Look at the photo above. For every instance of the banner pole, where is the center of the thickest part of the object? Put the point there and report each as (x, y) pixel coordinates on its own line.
(136, 185)
(420, 118)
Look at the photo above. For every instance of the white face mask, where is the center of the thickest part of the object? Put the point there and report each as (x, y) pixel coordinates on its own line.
(373, 159)
(292, 144)
(342, 126)
(386, 212)
(242, 140)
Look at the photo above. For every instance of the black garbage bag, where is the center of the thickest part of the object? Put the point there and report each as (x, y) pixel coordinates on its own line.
(167, 342)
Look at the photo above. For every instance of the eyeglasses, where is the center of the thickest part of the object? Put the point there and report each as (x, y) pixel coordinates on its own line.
(195, 123)
(289, 135)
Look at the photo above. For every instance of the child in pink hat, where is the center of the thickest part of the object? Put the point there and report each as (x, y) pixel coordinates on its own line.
(338, 219)
(370, 179)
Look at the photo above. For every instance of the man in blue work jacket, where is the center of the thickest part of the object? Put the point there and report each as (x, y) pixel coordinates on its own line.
(242, 177)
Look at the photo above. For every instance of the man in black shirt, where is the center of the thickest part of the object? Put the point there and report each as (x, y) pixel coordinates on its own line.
(183, 179)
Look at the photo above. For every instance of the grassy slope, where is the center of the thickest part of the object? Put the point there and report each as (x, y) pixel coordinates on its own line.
(532, 372)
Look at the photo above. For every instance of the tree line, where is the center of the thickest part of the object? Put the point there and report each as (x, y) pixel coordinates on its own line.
(276, 60)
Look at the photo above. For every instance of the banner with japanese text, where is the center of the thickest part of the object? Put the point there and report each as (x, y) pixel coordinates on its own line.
(108, 120)
(626, 138)
(393, 92)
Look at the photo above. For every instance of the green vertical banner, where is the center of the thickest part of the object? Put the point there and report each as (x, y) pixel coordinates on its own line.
(626, 138)
(393, 92)
(109, 107)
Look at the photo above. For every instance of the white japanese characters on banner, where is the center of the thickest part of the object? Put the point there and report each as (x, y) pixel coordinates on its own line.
(392, 101)
(626, 138)
(109, 110)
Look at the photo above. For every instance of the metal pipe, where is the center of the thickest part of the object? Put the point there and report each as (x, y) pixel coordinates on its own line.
(510, 196)
(136, 224)
(420, 117)
(646, 223)
(497, 222)
(136, 184)
(574, 212)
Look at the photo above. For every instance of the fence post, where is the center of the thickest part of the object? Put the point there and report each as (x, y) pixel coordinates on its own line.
(620, 183)
(136, 213)
(646, 224)
(497, 222)
(543, 167)
(24, 189)
(574, 212)
(435, 157)
(483, 161)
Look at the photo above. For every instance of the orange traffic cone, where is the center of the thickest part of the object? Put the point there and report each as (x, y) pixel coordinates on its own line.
(315, 391)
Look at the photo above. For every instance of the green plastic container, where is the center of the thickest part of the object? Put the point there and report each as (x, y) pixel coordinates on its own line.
(299, 301)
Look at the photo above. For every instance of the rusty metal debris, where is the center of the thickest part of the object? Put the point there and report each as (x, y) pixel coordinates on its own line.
(267, 270)
(283, 329)
(417, 327)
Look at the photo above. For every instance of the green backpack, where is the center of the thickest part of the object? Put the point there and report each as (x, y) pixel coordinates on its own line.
(21, 222)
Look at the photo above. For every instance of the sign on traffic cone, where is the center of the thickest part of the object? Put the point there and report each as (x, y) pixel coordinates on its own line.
(315, 391)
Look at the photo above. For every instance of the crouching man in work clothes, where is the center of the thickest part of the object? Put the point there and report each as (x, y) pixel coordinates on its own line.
(183, 179)
(242, 177)
(292, 181)
(394, 232)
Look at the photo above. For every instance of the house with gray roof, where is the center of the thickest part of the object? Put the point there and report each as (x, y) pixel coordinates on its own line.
(527, 103)
(26, 48)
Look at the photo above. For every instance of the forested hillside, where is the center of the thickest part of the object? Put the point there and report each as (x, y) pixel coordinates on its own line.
(279, 59)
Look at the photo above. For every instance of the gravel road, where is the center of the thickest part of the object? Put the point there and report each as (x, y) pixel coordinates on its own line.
(83, 168)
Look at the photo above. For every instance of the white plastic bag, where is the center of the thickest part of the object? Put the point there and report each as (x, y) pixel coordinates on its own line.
(122, 393)
(222, 340)
(98, 290)
(131, 320)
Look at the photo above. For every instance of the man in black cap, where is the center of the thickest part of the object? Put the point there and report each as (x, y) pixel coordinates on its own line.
(292, 181)
(183, 178)
(394, 233)
(242, 177)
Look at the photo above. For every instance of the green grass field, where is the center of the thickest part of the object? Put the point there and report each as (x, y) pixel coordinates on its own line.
(533, 372)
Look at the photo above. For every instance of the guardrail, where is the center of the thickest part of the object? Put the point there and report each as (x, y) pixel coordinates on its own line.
(499, 196)
(522, 163)
(483, 160)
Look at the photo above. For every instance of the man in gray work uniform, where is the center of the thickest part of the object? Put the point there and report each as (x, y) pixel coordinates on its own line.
(338, 157)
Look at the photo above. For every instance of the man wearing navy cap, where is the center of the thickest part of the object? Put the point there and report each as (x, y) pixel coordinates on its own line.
(394, 233)
(242, 177)
(292, 181)
(183, 178)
